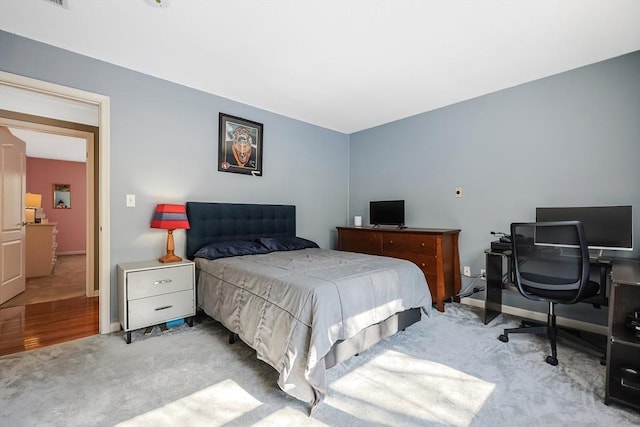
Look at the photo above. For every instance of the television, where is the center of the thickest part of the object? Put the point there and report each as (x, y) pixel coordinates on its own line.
(605, 227)
(386, 212)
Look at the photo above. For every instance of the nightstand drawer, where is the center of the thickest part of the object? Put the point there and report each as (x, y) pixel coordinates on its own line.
(161, 308)
(158, 281)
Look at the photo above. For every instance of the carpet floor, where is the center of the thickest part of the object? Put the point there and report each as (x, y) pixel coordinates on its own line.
(447, 370)
(67, 280)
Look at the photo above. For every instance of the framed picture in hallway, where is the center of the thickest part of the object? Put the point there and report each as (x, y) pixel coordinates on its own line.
(239, 145)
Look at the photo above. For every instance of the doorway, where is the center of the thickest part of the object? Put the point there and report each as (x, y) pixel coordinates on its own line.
(66, 148)
(55, 151)
(37, 98)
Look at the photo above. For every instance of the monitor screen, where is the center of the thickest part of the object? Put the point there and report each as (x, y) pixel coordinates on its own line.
(386, 212)
(606, 227)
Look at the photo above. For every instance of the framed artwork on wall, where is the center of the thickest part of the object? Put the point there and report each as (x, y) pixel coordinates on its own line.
(62, 196)
(239, 145)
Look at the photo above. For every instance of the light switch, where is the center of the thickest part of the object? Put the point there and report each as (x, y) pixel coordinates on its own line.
(131, 200)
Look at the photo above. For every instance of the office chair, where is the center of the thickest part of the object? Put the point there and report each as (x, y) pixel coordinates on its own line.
(550, 263)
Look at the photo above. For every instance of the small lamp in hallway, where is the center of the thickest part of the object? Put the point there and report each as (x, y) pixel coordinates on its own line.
(170, 217)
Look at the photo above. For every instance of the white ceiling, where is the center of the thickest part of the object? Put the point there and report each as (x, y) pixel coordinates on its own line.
(345, 65)
(51, 146)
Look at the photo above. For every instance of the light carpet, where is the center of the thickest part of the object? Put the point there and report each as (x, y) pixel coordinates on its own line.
(447, 370)
(67, 280)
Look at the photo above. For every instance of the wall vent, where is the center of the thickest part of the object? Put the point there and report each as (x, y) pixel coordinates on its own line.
(61, 3)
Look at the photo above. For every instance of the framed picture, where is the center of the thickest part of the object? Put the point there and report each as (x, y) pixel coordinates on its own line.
(62, 196)
(239, 145)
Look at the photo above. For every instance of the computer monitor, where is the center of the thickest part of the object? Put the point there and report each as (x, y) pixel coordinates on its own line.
(605, 227)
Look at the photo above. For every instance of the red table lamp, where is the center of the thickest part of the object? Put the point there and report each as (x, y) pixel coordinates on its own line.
(170, 217)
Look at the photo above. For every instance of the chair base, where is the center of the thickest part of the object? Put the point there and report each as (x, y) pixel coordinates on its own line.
(552, 332)
(527, 327)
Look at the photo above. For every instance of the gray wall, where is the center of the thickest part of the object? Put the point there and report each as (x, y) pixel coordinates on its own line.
(164, 150)
(571, 139)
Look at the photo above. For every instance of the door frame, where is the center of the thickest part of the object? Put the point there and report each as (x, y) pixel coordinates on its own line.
(103, 212)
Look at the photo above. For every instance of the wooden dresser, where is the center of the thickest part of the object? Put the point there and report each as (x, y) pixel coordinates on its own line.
(434, 250)
(41, 249)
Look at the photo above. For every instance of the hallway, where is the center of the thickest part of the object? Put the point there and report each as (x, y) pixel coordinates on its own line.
(53, 309)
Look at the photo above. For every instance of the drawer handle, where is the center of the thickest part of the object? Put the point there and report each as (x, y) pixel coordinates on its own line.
(391, 242)
(160, 282)
(422, 244)
(423, 264)
(163, 308)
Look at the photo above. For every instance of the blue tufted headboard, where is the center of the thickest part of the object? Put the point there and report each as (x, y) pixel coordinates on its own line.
(220, 222)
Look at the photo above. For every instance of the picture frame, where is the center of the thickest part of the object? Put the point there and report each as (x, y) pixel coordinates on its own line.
(61, 196)
(240, 143)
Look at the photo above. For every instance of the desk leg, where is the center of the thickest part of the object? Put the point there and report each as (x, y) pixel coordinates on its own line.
(493, 291)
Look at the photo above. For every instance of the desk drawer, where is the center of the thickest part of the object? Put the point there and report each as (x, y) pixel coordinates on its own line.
(161, 308)
(158, 281)
(416, 243)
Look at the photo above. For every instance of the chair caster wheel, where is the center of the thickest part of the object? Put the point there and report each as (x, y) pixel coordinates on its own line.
(551, 360)
(503, 338)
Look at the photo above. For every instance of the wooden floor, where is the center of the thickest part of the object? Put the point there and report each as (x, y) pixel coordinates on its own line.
(26, 327)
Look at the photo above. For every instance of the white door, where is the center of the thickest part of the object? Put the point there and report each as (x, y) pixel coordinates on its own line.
(12, 236)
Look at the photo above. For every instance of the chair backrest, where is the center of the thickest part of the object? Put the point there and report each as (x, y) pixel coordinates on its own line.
(551, 260)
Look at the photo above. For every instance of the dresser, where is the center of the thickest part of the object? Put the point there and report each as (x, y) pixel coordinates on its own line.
(152, 293)
(623, 343)
(434, 250)
(40, 244)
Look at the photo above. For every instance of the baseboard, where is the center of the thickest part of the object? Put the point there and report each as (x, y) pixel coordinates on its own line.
(542, 317)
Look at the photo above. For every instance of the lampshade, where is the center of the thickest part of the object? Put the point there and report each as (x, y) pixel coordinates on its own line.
(170, 217)
(32, 200)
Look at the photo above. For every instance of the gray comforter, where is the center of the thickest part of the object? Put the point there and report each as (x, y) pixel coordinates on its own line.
(291, 307)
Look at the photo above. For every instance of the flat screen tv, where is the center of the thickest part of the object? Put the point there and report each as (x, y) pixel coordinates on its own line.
(605, 227)
(386, 212)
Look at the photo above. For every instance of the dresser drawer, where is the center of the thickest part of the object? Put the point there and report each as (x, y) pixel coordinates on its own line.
(360, 241)
(427, 263)
(158, 281)
(161, 308)
(415, 243)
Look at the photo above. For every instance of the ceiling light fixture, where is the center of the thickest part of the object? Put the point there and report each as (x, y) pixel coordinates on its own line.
(61, 3)
(159, 3)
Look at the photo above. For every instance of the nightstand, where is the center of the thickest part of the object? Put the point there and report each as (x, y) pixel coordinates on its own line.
(151, 293)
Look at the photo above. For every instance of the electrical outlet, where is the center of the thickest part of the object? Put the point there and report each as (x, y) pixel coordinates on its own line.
(483, 274)
(467, 271)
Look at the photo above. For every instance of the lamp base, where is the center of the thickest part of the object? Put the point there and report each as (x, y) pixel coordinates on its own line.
(170, 257)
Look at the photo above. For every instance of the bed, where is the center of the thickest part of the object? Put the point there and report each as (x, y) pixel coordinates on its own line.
(303, 309)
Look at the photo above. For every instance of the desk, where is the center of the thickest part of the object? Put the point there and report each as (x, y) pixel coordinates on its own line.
(500, 276)
(623, 343)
